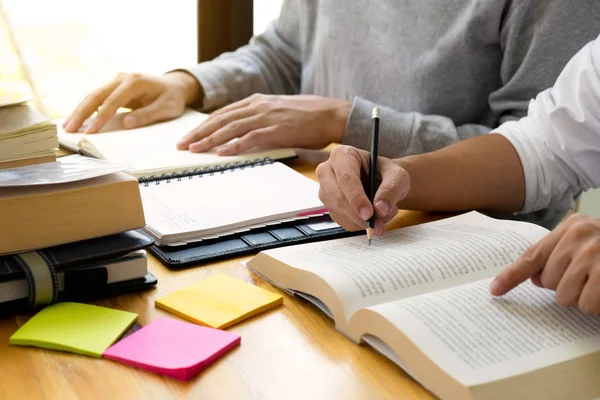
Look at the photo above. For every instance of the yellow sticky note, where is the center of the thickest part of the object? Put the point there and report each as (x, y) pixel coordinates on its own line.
(219, 301)
(75, 327)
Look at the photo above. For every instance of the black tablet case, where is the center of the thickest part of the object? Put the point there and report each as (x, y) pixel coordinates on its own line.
(296, 232)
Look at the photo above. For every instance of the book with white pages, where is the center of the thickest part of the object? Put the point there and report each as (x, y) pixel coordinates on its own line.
(420, 296)
(26, 136)
(151, 150)
(204, 206)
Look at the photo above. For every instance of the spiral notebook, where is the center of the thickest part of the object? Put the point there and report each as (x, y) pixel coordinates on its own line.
(151, 150)
(181, 208)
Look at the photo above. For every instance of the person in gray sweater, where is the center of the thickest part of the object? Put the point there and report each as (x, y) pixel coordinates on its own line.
(440, 70)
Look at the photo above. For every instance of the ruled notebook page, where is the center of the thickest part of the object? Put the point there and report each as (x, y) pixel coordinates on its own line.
(188, 209)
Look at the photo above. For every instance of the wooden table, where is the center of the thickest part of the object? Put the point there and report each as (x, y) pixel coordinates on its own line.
(292, 352)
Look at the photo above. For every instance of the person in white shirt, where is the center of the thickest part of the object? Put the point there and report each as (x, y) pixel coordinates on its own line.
(545, 159)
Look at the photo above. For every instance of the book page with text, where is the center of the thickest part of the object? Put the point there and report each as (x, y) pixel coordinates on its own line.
(414, 260)
(477, 338)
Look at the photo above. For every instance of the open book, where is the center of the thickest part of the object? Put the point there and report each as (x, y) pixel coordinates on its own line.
(419, 295)
(152, 150)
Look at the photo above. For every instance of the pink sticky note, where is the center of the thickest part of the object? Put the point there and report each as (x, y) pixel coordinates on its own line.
(315, 212)
(174, 348)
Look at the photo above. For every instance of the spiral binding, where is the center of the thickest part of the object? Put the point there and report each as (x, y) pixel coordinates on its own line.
(200, 172)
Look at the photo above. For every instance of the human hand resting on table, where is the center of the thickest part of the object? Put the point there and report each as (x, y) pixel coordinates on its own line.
(265, 121)
(342, 178)
(152, 98)
(567, 260)
(270, 121)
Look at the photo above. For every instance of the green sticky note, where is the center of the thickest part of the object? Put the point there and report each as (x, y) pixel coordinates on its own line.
(74, 327)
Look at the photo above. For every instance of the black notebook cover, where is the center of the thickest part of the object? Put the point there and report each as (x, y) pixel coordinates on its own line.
(254, 241)
(86, 293)
(84, 252)
(80, 284)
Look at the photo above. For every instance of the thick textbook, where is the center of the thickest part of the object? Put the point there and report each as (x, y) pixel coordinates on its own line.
(39, 216)
(419, 295)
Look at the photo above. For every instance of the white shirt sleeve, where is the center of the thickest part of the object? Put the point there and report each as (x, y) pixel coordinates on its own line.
(559, 140)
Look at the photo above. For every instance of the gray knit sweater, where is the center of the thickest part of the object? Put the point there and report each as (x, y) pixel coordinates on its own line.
(440, 70)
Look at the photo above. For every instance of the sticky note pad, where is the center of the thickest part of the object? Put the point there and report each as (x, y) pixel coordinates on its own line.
(174, 348)
(219, 301)
(74, 327)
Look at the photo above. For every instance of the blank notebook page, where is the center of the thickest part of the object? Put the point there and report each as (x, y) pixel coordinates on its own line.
(236, 198)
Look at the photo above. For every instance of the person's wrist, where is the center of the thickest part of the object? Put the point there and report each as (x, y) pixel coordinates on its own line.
(341, 112)
(189, 86)
(406, 163)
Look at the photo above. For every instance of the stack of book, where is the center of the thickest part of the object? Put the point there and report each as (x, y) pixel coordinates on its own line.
(26, 136)
(68, 231)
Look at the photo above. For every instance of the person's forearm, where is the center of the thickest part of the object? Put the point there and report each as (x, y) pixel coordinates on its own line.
(405, 133)
(482, 173)
(270, 64)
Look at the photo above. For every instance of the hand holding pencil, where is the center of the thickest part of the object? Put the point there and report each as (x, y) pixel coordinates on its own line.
(360, 193)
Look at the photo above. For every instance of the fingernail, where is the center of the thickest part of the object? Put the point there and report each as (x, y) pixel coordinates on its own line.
(70, 127)
(183, 141)
(199, 146)
(496, 288)
(129, 121)
(383, 207)
(364, 213)
(223, 150)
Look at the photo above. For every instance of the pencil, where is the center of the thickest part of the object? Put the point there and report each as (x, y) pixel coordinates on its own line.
(373, 169)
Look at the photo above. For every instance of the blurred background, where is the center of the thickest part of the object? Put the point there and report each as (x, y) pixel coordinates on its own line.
(55, 52)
